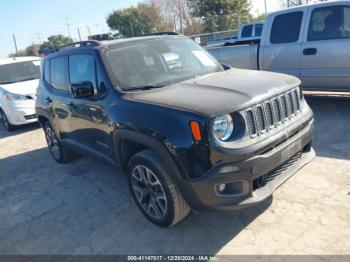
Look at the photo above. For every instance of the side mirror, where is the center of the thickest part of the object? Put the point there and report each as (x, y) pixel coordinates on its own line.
(82, 89)
(226, 66)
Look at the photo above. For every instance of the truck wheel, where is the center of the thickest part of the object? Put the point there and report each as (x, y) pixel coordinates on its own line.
(154, 192)
(5, 122)
(57, 150)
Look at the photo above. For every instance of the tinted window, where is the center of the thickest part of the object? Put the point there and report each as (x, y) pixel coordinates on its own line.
(247, 31)
(82, 68)
(47, 71)
(329, 23)
(258, 29)
(159, 62)
(286, 28)
(58, 73)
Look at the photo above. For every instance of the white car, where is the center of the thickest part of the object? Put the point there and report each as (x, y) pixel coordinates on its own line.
(19, 79)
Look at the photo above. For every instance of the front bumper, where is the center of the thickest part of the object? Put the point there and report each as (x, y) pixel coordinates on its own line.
(251, 181)
(20, 113)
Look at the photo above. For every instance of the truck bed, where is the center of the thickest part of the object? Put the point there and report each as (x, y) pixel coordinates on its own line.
(240, 56)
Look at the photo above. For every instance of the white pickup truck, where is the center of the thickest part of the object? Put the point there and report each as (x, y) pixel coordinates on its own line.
(311, 42)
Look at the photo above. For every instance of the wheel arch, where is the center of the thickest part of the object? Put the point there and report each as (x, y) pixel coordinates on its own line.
(42, 118)
(127, 143)
(142, 142)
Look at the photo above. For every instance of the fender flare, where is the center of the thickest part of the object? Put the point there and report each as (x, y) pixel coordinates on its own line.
(160, 149)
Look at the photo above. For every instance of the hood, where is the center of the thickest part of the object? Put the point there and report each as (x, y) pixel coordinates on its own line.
(220, 93)
(22, 88)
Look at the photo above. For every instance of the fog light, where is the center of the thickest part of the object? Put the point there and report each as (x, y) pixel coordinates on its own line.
(222, 187)
(17, 118)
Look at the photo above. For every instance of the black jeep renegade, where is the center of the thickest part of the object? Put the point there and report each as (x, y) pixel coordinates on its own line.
(189, 132)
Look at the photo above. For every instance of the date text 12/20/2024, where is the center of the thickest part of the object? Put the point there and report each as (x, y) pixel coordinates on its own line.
(170, 258)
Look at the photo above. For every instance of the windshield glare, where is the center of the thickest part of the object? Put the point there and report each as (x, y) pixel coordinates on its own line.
(160, 62)
(20, 71)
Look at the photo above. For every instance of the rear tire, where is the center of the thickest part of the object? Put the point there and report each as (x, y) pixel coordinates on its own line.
(153, 190)
(5, 122)
(56, 148)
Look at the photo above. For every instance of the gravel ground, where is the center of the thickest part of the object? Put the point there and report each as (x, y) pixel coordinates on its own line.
(85, 207)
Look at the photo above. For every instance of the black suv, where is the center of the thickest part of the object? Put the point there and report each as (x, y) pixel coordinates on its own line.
(189, 132)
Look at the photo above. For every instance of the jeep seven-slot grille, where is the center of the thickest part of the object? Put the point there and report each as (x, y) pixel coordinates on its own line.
(268, 114)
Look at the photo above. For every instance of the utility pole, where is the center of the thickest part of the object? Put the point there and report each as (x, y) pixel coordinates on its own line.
(79, 34)
(38, 35)
(68, 26)
(14, 40)
(88, 28)
(265, 7)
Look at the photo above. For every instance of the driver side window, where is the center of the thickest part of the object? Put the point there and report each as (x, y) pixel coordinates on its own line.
(82, 68)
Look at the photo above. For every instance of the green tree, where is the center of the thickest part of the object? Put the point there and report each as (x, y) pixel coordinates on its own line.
(134, 21)
(32, 50)
(219, 15)
(53, 42)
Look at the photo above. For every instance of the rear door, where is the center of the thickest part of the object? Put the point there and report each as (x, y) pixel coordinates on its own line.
(326, 49)
(281, 47)
(58, 94)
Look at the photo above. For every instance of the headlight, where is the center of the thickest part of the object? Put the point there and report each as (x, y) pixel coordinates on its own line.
(10, 96)
(222, 127)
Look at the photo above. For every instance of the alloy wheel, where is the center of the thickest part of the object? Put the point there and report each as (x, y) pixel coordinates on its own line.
(52, 142)
(149, 192)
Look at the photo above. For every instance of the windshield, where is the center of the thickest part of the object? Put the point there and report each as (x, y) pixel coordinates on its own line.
(20, 71)
(159, 62)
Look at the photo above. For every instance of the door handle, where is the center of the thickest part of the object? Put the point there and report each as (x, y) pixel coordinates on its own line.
(310, 51)
(48, 100)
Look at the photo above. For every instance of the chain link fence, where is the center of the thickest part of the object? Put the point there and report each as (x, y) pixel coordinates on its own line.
(220, 29)
(215, 37)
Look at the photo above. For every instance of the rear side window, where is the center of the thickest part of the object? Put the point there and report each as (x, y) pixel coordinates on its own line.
(258, 29)
(82, 68)
(59, 73)
(47, 71)
(247, 31)
(286, 28)
(329, 23)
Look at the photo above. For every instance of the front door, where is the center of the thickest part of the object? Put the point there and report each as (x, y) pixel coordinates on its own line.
(281, 51)
(89, 122)
(326, 49)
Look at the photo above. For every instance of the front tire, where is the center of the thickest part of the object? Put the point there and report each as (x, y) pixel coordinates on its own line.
(153, 190)
(56, 148)
(5, 122)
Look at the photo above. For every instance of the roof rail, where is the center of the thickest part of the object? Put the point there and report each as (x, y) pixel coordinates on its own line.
(161, 33)
(89, 43)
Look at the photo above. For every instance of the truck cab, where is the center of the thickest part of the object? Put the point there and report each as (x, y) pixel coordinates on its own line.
(310, 42)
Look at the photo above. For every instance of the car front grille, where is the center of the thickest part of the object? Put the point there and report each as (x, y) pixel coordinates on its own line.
(28, 117)
(265, 179)
(270, 113)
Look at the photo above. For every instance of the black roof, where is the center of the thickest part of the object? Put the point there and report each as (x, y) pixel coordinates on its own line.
(108, 43)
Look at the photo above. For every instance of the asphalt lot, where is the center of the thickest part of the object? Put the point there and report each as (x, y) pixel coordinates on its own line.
(85, 207)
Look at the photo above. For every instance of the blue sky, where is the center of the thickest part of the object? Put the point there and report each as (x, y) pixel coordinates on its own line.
(35, 20)
(32, 21)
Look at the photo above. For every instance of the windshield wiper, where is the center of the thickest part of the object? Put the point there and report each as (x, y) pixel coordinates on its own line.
(5, 83)
(27, 79)
(147, 87)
